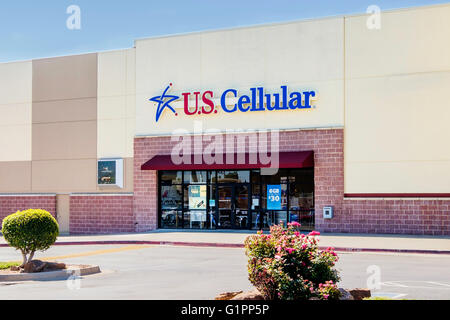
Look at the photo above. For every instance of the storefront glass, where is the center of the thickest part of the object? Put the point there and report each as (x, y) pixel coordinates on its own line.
(239, 199)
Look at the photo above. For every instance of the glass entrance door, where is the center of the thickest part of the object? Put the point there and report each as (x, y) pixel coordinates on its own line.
(225, 207)
(233, 206)
(241, 193)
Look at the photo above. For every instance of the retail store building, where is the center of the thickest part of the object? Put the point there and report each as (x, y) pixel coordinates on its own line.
(355, 118)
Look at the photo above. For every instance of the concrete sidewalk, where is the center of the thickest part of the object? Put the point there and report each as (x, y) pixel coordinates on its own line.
(342, 242)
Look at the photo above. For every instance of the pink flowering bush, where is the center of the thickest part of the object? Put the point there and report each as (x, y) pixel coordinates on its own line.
(288, 265)
(328, 291)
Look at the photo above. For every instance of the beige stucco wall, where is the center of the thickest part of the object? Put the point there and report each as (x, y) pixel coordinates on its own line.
(63, 212)
(15, 176)
(15, 126)
(59, 115)
(15, 111)
(64, 130)
(397, 106)
(305, 55)
(116, 111)
(116, 103)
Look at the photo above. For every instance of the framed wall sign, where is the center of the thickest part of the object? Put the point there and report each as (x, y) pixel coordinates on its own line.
(110, 172)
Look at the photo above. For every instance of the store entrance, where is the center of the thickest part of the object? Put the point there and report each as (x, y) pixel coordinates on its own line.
(235, 199)
(233, 211)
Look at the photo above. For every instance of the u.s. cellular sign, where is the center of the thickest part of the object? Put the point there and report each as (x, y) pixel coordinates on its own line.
(230, 101)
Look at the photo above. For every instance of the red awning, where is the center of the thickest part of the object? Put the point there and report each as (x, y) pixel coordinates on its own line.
(301, 159)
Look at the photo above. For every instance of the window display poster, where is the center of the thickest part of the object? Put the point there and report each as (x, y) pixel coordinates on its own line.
(198, 216)
(170, 197)
(255, 203)
(197, 197)
(274, 197)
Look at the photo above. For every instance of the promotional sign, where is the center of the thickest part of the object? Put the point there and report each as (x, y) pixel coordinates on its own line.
(255, 203)
(198, 216)
(197, 197)
(110, 172)
(106, 172)
(274, 197)
(256, 100)
(170, 197)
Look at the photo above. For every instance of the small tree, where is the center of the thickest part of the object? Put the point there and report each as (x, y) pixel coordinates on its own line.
(30, 231)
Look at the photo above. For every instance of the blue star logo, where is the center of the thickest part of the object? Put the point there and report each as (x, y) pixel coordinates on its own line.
(163, 102)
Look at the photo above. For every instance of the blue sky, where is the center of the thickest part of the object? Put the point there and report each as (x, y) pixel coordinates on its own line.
(37, 28)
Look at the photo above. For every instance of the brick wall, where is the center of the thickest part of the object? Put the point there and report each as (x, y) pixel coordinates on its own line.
(101, 214)
(328, 146)
(11, 204)
(392, 216)
(406, 216)
(146, 182)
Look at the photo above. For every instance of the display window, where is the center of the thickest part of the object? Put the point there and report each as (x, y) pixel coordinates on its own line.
(237, 199)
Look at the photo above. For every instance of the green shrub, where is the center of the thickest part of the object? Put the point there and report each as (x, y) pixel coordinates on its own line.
(7, 265)
(383, 298)
(287, 265)
(30, 231)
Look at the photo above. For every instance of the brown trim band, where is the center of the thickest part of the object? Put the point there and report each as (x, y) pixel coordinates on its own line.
(397, 195)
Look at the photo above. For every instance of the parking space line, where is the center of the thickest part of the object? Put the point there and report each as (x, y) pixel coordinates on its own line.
(390, 295)
(97, 252)
(393, 284)
(439, 284)
(400, 295)
(415, 284)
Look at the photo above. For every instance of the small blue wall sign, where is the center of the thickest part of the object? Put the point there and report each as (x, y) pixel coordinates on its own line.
(274, 197)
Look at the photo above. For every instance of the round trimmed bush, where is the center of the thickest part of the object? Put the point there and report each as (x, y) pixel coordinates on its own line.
(30, 231)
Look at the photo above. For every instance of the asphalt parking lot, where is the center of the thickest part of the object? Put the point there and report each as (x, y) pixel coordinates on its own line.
(168, 272)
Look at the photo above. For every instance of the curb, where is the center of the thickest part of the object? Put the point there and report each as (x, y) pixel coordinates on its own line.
(52, 275)
(233, 245)
(374, 250)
